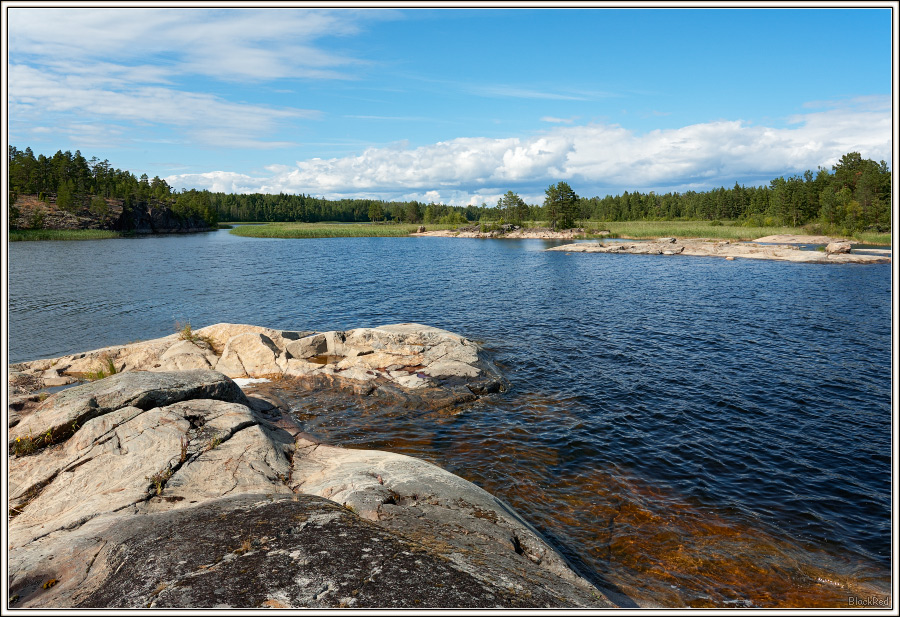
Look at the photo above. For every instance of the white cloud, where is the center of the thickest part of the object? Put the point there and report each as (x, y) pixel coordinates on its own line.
(519, 92)
(220, 182)
(555, 120)
(596, 159)
(137, 66)
(202, 118)
(226, 44)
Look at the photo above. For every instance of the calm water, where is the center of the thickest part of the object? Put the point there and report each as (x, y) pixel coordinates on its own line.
(687, 431)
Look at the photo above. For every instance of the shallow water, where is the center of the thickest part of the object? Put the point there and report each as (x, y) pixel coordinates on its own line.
(687, 431)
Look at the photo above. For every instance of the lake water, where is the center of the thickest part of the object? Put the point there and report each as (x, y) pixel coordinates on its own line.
(687, 431)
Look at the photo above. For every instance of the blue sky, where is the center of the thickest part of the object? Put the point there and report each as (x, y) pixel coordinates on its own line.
(453, 105)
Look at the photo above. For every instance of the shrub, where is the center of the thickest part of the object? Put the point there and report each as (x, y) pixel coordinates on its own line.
(24, 446)
(37, 219)
(99, 207)
(185, 333)
(159, 479)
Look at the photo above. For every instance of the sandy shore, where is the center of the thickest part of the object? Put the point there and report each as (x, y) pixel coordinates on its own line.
(727, 250)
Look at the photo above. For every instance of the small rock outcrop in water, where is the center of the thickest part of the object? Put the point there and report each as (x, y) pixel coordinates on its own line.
(726, 249)
(404, 361)
(170, 488)
(837, 247)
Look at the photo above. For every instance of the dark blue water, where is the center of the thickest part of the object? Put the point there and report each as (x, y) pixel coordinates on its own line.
(684, 429)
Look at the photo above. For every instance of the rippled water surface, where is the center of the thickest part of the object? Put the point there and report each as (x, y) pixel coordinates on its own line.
(687, 431)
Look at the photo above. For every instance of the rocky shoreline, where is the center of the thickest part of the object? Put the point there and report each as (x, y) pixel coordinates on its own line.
(835, 252)
(163, 484)
(141, 218)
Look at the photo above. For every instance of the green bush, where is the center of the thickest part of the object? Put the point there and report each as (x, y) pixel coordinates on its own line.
(37, 219)
(99, 207)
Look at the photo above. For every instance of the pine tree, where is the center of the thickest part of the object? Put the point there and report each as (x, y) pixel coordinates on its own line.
(561, 205)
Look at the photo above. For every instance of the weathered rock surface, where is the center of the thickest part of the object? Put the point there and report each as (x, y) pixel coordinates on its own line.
(143, 217)
(406, 361)
(430, 505)
(726, 249)
(257, 551)
(250, 354)
(837, 247)
(175, 490)
(63, 413)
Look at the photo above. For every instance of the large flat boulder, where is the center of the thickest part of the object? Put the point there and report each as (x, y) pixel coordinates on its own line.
(64, 412)
(253, 551)
(251, 354)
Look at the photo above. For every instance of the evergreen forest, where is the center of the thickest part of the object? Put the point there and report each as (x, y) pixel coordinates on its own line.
(854, 195)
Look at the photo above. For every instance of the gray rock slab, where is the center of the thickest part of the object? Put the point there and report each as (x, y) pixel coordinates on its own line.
(307, 347)
(173, 489)
(62, 413)
(250, 354)
(110, 474)
(253, 551)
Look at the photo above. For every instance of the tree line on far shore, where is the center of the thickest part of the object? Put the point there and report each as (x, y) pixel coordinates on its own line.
(75, 184)
(854, 195)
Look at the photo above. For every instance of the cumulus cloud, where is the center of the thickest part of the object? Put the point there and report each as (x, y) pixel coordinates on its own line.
(220, 182)
(596, 159)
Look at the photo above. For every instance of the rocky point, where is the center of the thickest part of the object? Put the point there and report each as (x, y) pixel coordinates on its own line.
(161, 483)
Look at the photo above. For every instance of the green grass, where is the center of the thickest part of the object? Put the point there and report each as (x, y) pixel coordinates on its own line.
(728, 230)
(21, 235)
(185, 333)
(690, 229)
(329, 230)
(870, 237)
(107, 368)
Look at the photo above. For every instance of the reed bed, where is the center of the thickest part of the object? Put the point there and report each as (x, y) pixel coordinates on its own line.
(328, 230)
(870, 237)
(22, 235)
(710, 229)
